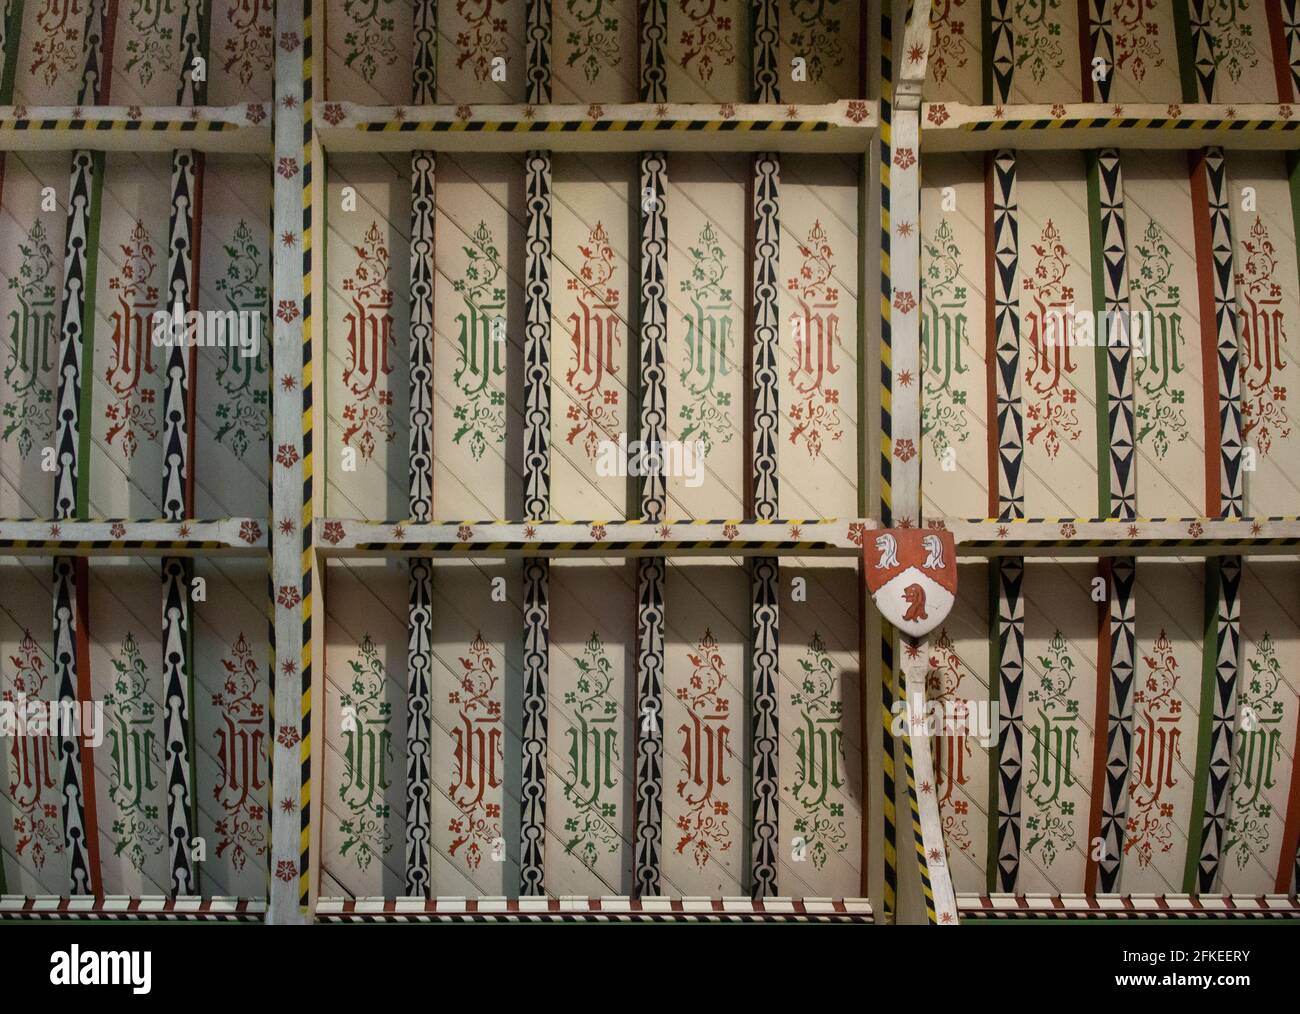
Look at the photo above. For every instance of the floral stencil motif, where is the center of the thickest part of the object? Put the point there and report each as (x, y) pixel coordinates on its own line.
(1054, 750)
(1231, 37)
(482, 415)
(59, 47)
(706, 748)
(816, 36)
(1137, 37)
(484, 39)
(137, 832)
(33, 762)
(243, 415)
(1162, 419)
(1156, 751)
(953, 751)
(32, 344)
(594, 758)
(150, 49)
(370, 42)
(477, 752)
(130, 410)
(947, 38)
(815, 413)
(367, 751)
(241, 756)
(1263, 340)
(1038, 37)
(370, 340)
(819, 757)
(708, 41)
(1050, 321)
(250, 49)
(1258, 743)
(943, 340)
(595, 339)
(595, 42)
(709, 343)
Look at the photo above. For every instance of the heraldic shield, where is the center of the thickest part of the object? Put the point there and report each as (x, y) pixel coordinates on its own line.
(912, 576)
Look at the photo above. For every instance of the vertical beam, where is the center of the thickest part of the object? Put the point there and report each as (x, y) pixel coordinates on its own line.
(652, 35)
(419, 702)
(765, 18)
(178, 472)
(1284, 34)
(537, 506)
(1096, 40)
(72, 475)
(999, 53)
(1117, 499)
(293, 479)
(650, 570)
(419, 615)
(538, 43)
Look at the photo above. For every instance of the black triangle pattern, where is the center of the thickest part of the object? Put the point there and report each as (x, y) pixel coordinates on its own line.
(1011, 671)
(1101, 32)
(1291, 37)
(1228, 653)
(1203, 59)
(1119, 720)
(1119, 380)
(1006, 326)
(1225, 323)
(1004, 50)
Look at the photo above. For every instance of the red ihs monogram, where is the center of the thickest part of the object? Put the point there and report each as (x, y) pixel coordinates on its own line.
(816, 327)
(943, 683)
(1263, 341)
(477, 752)
(370, 338)
(705, 749)
(1156, 753)
(59, 48)
(33, 784)
(130, 412)
(241, 758)
(1050, 321)
(595, 342)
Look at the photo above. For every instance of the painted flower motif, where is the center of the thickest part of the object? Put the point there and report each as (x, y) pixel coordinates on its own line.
(938, 114)
(287, 311)
(1058, 110)
(256, 112)
(904, 301)
(288, 383)
(1003, 531)
(1175, 109)
(288, 168)
(904, 450)
(1195, 530)
(857, 111)
(857, 533)
(287, 455)
(20, 112)
(730, 531)
(289, 41)
(288, 736)
(530, 532)
(904, 158)
(332, 532)
(285, 870)
(727, 110)
(464, 112)
(288, 805)
(288, 596)
(595, 111)
(118, 529)
(464, 533)
(399, 532)
(133, 112)
(1284, 111)
(250, 531)
(333, 113)
(1067, 531)
(598, 532)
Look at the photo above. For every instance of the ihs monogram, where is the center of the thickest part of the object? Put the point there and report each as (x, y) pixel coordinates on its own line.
(477, 756)
(706, 749)
(595, 340)
(594, 758)
(369, 415)
(1054, 750)
(819, 756)
(943, 341)
(136, 828)
(1162, 419)
(1263, 341)
(1052, 414)
(130, 411)
(32, 344)
(816, 325)
(480, 355)
(243, 415)
(1156, 752)
(367, 753)
(709, 345)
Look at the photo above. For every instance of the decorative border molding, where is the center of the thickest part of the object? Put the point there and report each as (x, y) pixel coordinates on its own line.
(537, 42)
(146, 908)
(606, 909)
(1150, 906)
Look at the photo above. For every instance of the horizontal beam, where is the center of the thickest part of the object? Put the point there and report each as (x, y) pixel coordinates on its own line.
(149, 908)
(119, 537)
(1135, 906)
(846, 126)
(241, 129)
(953, 126)
(836, 537)
(581, 909)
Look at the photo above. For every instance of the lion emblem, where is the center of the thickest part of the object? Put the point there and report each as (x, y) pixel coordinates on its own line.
(915, 596)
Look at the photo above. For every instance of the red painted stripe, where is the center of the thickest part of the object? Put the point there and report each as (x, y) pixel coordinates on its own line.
(1100, 719)
(991, 339)
(106, 63)
(1209, 333)
(1281, 60)
(1086, 51)
(1291, 829)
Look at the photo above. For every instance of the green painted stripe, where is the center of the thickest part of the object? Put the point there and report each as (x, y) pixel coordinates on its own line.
(88, 338)
(1101, 352)
(1209, 672)
(13, 31)
(1183, 47)
(995, 750)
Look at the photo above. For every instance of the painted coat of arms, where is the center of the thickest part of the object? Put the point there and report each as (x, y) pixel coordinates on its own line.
(912, 577)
